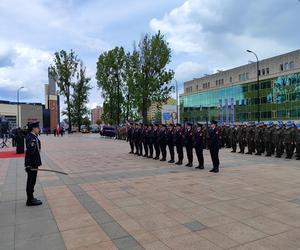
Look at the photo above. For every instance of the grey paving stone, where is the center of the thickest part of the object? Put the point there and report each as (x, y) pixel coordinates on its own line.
(102, 217)
(35, 229)
(75, 188)
(26, 216)
(47, 242)
(297, 201)
(8, 207)
(7, 236)
(195, 226)
(114, 230)
(127, 243)
(53, 183)
(7, 219)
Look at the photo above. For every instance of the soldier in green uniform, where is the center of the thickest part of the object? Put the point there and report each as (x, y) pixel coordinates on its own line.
(233, 138)
(278, 140)
(241, 135)
(258, 133)
(297, 140)
(250, 138)
(268, 134)
(289, 138)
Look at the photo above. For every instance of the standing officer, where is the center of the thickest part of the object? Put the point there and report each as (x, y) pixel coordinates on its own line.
(188, 142)
(198, 144)
(250, 139)
(150, 140)
(214, 144)
(233, 138)
(145, 139)
(156, 141)
(268, 134)
(297, 141)
(130, 135)
(163, 142)
(170, 141)
(289, 137)
(179, 142)
(241, 136)
(136, 139)
(278, 136)
(32, 162)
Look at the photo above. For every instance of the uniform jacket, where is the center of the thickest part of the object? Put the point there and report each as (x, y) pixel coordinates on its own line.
(32, 154)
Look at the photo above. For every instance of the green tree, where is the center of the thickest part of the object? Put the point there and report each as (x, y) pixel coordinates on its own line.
(87, 122)
(79, 97)
(99, 122)
(152, 78)
(63, 71)
(111, 80)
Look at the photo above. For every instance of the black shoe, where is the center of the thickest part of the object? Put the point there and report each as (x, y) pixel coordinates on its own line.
(156, 158)
(130, 153)
(212, 170)
(233, 151)
(150, 156)
(200, 167)
(163, 159)
(248, 153)
(278, 156)
(216, 171)
(288, 157)
(179, 163)
(187, 164)
(171, 161)
(267, 155)
(258, 154)
(33, 203)
(298, 158)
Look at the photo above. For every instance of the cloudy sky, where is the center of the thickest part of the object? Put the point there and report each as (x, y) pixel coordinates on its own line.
(205, 35)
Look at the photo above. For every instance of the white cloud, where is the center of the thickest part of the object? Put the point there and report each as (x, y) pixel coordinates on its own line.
(187, 70)
(217, 33)
(28, 69)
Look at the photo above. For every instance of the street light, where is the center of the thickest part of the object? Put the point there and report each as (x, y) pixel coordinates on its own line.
(177, 110)
(18, 117)
(258, 87)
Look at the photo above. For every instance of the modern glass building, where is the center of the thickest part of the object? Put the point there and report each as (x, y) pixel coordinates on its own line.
(233, 96)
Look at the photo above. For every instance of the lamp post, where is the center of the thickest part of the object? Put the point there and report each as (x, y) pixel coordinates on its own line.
(177, 109)
(258, 87)
(18, 117)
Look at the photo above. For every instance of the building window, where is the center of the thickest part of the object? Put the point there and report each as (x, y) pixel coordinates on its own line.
(263, 71)
(281, 67)
(259, 72)
(292, 65)
(247, 76)
(230, 79)
(267, 71)
(197, 87)
(286, 66)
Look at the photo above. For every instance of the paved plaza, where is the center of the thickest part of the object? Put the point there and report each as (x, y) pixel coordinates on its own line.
(114, 200)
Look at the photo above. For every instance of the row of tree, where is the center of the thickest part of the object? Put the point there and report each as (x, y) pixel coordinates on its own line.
(130, 81)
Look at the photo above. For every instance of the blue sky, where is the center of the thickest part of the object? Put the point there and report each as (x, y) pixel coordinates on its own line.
(205, 35)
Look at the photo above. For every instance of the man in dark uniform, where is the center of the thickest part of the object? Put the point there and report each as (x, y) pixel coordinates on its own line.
(198, 144)
(289, 138)
(156, 141)
(136, 138)
(170, 141)
(250, 138)
(163, 142)
(188, 142)
(141, 138)
(278, 136)
(150, 141)
(20, 141)
(179, 142)
(32, 162)
(233, 138)
(268, 134)
(214, 144)
(258, 137)
(130, 135)
(145, 139)
(297, 141)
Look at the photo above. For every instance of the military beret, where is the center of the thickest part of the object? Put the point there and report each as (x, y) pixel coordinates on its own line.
(178, 124)
(189, 124)
(171, 124)
(164, 125)
(199, 124)
(213, 122)
(33, 125)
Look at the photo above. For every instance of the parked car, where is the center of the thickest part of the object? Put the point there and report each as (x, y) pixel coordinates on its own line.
(84, 129)
(95, 128)
(109, 131)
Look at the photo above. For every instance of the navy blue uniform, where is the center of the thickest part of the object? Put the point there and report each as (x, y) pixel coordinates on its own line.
(156, 143)
(179, 142)
(188, 142)
(163, 144)
(213, 144)
(130, 138)
(32, 161)
(198, 144)
(170, 142)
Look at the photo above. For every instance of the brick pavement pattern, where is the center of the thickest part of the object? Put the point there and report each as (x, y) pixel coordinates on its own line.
(114, 200)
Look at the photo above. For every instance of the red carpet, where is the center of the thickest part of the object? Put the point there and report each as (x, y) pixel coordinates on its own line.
(10, 154)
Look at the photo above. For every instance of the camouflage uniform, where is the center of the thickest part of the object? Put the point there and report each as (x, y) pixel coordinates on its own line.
(289, 138)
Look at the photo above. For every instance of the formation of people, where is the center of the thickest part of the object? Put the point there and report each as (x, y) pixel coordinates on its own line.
(154, 140)
(263, 138)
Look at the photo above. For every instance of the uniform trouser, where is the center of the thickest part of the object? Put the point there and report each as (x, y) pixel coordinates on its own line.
(289, 148)
(131, 143)
(251, 146)
(233, 145)
(137, 149)
(150, 146)
(189, 153)
(163, 149)
(228, 142)
(140, 148)
(157, 150)
(179, 149)
(279, 149)
(146, 148)
(242, 146)
(298, 150)
(31, 180)
(171, 150)
(268, 146)
(199, 153)
(214, 153)
(258, 146)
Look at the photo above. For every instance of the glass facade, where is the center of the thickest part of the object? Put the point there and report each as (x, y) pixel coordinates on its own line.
(278, 99)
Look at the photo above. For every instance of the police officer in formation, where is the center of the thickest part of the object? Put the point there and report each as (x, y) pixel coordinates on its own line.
(161, 137)
(266, 138)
